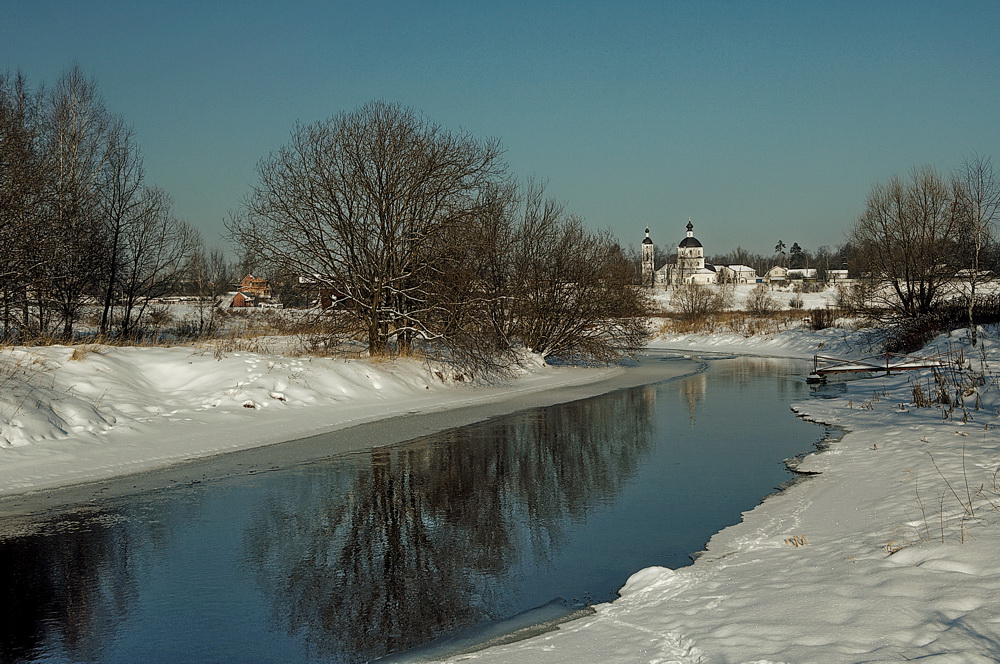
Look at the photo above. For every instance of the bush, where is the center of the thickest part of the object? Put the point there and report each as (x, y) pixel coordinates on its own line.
(855, 299)
(760, 302)
(694, 301)
(796, 301)
(820, 319)
(809, 287)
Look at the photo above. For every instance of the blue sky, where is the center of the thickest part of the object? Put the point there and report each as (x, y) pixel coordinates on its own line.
(759, 120)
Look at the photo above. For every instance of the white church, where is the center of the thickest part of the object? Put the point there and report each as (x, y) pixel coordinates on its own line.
(690, 268)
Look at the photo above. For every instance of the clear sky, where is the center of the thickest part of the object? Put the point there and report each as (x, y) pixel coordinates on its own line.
(759, 120)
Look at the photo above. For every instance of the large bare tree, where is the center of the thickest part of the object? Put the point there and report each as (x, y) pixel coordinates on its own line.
(907, 240)
(360, 203)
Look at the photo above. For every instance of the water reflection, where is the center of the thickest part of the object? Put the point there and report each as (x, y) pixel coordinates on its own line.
(744, 373)
(65, 587)
(413, 546)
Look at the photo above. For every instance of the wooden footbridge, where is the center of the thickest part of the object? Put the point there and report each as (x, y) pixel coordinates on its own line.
(885, 363)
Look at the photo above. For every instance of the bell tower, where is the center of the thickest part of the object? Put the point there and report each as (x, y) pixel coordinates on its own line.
(648, 275)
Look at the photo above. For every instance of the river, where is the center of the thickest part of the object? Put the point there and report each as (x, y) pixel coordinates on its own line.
(422, 545)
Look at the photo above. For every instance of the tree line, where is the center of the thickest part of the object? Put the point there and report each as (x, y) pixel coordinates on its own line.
(80, 226)
(427, 244)
(928, 239)
(419, 235)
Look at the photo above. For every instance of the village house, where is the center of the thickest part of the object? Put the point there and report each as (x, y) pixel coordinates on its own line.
(251, 291)
(737, 274)
(836, 276)
(803, 274)
(322, 296)
(776, 275)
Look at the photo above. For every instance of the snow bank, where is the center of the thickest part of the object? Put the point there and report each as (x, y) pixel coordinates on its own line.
(888, 555)
(77, 414)
(781, 294)
(799, 343)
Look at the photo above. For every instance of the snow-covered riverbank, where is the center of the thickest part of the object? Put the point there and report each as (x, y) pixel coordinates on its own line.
(73, 415)
(888, 555)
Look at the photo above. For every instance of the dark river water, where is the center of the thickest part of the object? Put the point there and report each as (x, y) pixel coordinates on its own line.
(362, 555)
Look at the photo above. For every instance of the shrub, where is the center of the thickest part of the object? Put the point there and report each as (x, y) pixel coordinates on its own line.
(820, 319)
(809, 287)
(855, 299)
(694, 301)
(760, 302)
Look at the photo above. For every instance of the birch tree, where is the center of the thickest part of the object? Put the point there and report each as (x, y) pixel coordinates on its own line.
(78, 127)
(977, 198)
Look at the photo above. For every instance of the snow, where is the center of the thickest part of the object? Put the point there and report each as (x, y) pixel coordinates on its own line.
(887, 554)
(781, 294)
(81, 414)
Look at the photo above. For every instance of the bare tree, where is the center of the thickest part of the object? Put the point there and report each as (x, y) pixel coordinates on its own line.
(208, 276)
(154, 248)
(696, 301)
(906, 241)
(360, 202)
(122, 204)
(976, 190)
(78, 126)
(23, 197)
(760, 302)
(77, 223)
(575, 294)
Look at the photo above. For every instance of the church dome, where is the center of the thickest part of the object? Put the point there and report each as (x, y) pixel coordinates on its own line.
(690, 240)
(647, 240)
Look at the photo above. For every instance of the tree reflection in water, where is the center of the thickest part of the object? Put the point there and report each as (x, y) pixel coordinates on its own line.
(63, 586)
(416, 542)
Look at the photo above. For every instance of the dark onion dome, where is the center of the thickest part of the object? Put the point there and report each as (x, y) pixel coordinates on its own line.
(647, 240)
(689, 242)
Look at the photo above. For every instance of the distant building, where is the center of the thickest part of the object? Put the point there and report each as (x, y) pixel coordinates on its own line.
(968, 274)
(691, 267)
(251, 291)
(803, 274)
(737, 274)
(776, 274)
(836, 276)
(648, 261)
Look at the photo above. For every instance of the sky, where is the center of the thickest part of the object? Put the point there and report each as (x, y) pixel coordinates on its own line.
(759, 121)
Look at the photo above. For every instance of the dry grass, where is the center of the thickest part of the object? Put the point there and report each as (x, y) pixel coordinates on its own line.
(730, 322)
